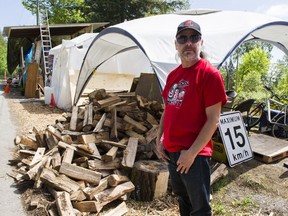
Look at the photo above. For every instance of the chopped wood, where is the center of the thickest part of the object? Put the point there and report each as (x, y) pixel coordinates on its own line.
(112, 194)
(114, 179)
(152, 134)
(88, 118)
(218, 172)
(110, 155)
(120, 210)
(136, 124)
(100, 123)
(113, 130)
(27, 141)
(64, 204)
(101, 165)
(84, 147)
(38, 156)
(90, 192)
(86, 206)
(40, 138)
(80, 173)
(116, 144)
(73, 121)
(67, 139)
(96, 153)
(54, 180)
(141, 138)
(129, 153)
(52, 130)
(150, 118)
(108, 101)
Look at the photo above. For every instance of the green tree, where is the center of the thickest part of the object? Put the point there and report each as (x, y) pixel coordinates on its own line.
(3, 54)
(252, 72)
(59, 11)
(120, 10)
(113, 11)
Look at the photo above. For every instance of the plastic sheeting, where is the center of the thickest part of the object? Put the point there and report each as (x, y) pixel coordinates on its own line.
(152, 38)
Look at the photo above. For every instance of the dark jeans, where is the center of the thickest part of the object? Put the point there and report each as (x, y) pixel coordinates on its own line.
(192, 188)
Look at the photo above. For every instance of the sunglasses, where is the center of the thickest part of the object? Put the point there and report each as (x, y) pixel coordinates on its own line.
(184, 39)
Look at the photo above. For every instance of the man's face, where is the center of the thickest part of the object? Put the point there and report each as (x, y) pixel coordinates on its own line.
(188, 44)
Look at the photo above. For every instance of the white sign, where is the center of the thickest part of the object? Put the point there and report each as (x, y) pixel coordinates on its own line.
(235, 138)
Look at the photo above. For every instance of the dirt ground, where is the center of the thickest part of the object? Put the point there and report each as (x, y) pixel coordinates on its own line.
(250, 188)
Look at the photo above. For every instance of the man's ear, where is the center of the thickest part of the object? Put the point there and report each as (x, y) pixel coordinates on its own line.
(176, 47)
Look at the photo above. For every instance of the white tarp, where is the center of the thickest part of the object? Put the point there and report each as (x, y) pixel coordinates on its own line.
(67, 61)
(153, 40)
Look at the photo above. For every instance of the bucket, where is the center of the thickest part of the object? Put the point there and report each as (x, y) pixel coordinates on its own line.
(48, 91)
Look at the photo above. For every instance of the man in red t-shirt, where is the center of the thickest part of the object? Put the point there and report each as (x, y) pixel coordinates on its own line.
(194, 94)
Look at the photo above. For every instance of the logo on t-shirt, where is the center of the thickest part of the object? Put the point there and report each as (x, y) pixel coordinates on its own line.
(176, 93)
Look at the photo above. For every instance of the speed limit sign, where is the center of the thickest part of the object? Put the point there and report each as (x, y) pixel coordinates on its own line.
(235, 138)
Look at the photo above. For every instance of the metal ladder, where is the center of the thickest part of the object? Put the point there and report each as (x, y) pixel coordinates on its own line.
(45, 41)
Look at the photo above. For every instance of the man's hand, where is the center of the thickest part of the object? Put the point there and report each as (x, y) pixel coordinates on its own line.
(185, 161)
(160, 151)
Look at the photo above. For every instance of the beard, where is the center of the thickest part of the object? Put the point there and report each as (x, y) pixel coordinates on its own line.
(189, 55)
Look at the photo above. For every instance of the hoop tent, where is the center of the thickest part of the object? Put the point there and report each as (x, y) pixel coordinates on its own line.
(147, 44)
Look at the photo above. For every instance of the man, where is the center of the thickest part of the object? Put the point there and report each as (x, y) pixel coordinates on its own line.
(193, 96)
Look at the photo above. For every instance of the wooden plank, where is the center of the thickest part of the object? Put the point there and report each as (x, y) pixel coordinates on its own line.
(31, 80)
(267, 148)
(110, 155)
(88, 118)
(80, 173)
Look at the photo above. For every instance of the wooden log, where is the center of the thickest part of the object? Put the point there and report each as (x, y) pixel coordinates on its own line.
(90, 192)
(56, 159)
(88, 118)
(218, 172)
(64, 205)
(68, 155)
(67, 139)
(52, 130)
(114, 179)
(120, 210)
(74, 118)
(113, 129)
(132, 133)
(78, 151)
(100, 123)
(129, 154)
(110, 155)
(152, 134)
(108, 101)
(80, 173)
(27, 141)
(150, 179)
(116, 144)
(150, 118)
(38, 156)
(136, 124)
(101, 165)
(52, 179)
(40, 138)
(96, 153)
(111, 194)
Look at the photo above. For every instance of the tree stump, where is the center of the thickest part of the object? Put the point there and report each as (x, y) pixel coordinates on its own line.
(150, 179)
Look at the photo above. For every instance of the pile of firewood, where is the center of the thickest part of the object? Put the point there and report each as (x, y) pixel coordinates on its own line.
(86, 158)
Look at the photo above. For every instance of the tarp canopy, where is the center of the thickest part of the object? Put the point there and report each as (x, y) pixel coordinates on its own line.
(147, 44)
(67, 61)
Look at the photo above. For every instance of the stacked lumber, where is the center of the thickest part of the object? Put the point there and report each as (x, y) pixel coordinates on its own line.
(85, 159)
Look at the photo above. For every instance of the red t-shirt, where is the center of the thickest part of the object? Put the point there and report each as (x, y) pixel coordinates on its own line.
(188, 91)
